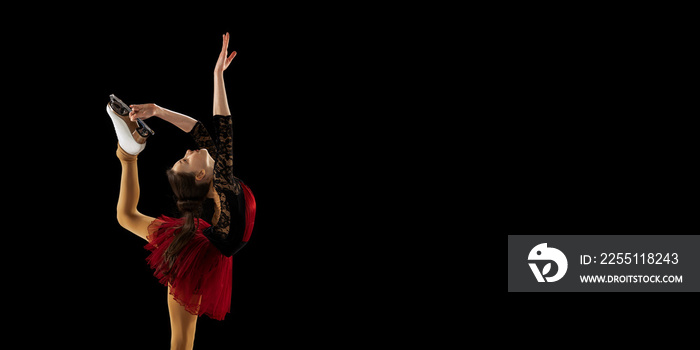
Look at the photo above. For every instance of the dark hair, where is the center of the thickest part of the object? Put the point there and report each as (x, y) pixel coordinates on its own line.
(189, 195)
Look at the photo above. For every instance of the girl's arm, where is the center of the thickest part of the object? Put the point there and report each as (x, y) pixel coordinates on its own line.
(221, 234)
(148, 110)
(223, 122)
(220, 100)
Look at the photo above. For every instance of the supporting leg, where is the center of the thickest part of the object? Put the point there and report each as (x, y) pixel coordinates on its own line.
(182, 325)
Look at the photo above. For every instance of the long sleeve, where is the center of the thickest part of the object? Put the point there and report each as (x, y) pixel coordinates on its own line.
(201, 136)
(224, 155)
(221, 151)
(227, 234)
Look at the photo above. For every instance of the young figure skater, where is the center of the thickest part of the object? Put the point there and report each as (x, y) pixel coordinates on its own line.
(189, 255)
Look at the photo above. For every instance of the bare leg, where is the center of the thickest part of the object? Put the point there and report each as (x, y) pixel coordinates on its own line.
(182, 325)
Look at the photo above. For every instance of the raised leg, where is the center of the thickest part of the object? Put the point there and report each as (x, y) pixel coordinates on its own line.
(127, 214)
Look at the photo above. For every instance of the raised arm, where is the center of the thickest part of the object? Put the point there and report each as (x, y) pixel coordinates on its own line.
(223, 122)
(228, 241)
(220, 100)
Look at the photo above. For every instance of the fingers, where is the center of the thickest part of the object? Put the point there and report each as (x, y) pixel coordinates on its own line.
(224, 44)
(224, 50)
(135, 109)
(224, 58)
(230, 58)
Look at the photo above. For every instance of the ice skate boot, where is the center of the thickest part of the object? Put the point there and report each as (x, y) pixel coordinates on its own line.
(131, 135)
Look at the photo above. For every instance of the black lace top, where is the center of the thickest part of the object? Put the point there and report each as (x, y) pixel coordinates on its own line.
(227, 233)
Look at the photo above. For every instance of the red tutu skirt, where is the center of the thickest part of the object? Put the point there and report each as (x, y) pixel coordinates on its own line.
(200, 279)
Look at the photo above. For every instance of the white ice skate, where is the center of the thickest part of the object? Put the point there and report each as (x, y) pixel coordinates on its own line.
(131, 135)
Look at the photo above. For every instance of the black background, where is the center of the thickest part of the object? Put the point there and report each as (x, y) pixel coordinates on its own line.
(579, 126)
(293, 89)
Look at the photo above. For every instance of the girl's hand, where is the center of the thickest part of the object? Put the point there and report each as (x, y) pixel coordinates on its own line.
(224, 59)
(143, 111)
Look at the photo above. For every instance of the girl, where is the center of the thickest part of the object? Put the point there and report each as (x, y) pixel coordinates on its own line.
(189, 255)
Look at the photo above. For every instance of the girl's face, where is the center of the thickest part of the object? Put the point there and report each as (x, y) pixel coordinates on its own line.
(198, 162)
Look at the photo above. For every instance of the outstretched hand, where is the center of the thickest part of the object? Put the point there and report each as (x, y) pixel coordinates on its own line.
(224, 58)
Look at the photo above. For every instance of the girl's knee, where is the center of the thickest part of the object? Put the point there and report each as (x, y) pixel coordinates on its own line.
(181, 342)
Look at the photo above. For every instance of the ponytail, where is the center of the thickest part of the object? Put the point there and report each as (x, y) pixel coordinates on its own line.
(190, 195)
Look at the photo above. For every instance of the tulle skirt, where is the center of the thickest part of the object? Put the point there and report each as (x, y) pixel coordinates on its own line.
(200, 278)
